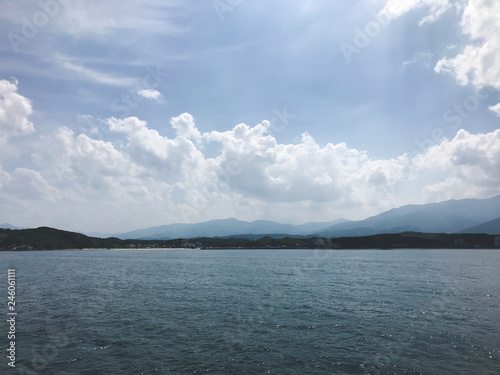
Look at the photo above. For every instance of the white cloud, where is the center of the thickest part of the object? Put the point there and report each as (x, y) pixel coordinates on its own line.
(149, 94)
(423, 58)
(253, 173)
(479, 62)
(468, 165)
(185, 127)
(29, 185)
(495, 108)
(4, 177)
(176, 157)
(396, 8)
(25, 194)
(305, 171)
(83, 18)
(142, 178)
(90, 165)
(15, 110)
(176, 182)
(93, 75)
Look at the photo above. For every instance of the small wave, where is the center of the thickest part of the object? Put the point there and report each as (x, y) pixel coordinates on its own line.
(66, 361)
(102, 347)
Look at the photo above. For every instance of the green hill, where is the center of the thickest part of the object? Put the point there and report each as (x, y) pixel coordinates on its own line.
(49, 238)
(45, 238)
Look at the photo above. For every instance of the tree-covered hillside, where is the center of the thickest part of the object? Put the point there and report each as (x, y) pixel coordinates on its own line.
(48, 238)
(45, 238)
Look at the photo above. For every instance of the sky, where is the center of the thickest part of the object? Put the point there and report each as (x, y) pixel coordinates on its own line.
(121, 115)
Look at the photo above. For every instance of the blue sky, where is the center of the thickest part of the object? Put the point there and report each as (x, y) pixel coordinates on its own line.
(120, 115)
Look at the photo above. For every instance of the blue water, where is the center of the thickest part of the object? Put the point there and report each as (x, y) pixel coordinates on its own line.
(255, 312)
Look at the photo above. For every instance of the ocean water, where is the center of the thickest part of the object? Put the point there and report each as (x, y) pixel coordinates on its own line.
(255, 312)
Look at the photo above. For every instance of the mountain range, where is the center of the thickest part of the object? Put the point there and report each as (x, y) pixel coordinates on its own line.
(226, 228)
(452, 216)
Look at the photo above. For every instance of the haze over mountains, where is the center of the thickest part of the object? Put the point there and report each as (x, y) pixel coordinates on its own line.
(452, 216)
(226, 227)
(490, 227)
(9, 226)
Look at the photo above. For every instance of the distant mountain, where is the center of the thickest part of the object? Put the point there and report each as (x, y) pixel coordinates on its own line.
(450, 216)
(8, 226)
(225, 228)
(490, 227)
(99, 234)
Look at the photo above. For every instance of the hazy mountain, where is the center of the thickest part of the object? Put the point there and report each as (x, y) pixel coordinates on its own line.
(9, 226)
(99, 234)
(490, 227)
(444, 217)
(224, 228)
(450, 216)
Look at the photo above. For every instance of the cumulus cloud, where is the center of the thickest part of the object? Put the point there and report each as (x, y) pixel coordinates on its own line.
(174, 179)
(304, 171)
(142, 178)
(479, 62)
(254, 173)
(177, 158)
(25, 194)
(91, 165)
(149, 94)
(185, 127)
(15, 110)
(27, 184)
(468, 165)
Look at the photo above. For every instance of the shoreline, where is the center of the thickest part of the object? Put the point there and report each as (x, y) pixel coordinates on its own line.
(280, 249)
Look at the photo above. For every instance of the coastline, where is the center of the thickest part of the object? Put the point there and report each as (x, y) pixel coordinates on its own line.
(267, 249)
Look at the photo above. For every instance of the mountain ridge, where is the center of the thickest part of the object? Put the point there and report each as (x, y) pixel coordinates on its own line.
(451, 216)
(489, 227)
(46, 238)
(224, 227)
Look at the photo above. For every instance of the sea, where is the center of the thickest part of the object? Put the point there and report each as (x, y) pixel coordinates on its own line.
(432, 312)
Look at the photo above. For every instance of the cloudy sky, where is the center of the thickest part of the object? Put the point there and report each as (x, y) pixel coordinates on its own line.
(120, 115)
